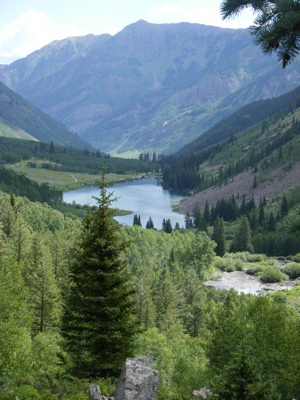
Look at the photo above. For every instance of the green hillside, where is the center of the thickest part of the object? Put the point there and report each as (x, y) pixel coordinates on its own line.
(244, 118)
(258, 139)
(7, 130)
(20, 119)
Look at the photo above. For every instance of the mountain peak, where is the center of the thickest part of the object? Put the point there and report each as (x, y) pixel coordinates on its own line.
(150, 87)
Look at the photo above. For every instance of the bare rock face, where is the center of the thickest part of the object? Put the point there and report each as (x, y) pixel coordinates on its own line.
(138, 380)
(94, 393)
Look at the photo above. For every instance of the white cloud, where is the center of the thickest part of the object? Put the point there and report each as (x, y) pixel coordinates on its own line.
(30, 32)
(166, 10)
(212, 16)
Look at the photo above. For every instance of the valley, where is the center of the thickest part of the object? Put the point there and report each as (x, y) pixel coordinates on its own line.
(64, 180)
(86, 286)
(150, 87)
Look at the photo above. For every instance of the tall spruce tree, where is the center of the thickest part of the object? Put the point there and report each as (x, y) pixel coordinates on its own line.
(242, 240)
(206, 213)
(284, 207)
(98, 321)
(150, 224)
(219, 236)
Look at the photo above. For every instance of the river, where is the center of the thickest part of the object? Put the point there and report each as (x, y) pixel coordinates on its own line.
(143, 197)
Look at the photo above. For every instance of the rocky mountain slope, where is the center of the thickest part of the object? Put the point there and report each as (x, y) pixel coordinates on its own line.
(273, 186)
(150, 87)
(266, 161)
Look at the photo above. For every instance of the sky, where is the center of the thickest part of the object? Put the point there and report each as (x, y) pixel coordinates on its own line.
(28, 25)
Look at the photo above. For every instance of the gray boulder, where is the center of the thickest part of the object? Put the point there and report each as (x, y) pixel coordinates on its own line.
(138, 380)
(95, 394)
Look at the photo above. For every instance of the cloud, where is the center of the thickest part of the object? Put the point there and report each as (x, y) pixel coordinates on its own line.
(212, 16)
(166, 10)
(31, 31)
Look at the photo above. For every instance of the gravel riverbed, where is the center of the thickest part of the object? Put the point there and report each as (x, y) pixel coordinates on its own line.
(242, 282)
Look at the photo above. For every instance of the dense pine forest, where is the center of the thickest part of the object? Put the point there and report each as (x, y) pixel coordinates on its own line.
(265, 154)
(61, 158)
(80, 295)
(198, 336)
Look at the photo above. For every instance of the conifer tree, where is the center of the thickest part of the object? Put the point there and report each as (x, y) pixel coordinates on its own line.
(219, 236)
(45, 297)
(284, 207)
(146, 311)
(150, 224)
(98, 321)
(206, 213)
(291, 223)
(261, 213)
(271, 225)
(137, 220)
(197, 216)
(202, 224)
(255, 182)
(276, 25)
(166, 299)
(168, 226)
(242, 240)
(188, 221)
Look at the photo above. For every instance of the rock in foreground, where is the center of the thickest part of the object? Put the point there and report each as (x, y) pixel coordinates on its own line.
(138, 380)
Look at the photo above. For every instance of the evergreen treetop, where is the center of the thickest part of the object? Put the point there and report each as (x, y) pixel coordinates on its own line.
(98, 322)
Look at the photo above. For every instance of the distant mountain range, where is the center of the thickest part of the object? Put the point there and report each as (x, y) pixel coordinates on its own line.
(21, 120)
(150, 87)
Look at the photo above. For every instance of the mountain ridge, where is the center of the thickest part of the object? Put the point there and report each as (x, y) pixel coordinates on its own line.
(151, 87)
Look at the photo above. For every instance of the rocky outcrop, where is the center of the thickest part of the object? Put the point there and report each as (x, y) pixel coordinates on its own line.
(95, 394)
(138, 380)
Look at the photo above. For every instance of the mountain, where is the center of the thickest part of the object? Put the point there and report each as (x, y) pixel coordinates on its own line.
(261, 160)
(20, 119)
(246, 117)
(149, 87)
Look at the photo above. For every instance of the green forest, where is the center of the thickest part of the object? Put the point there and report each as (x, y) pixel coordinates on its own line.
(80, 293)
(80, 296)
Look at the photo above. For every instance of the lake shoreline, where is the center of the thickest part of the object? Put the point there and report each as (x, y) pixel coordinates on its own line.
(141, 196)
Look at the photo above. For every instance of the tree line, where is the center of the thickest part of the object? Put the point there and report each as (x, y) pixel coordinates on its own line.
(184, 172)
(68, 288)
(20, 185)
(63, 158)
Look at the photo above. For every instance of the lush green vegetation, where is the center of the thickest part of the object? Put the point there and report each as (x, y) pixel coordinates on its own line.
(243, 119)
(197, 335)
(272, 144)
(238, 345)
(98, 321)
(59, 158)
(267, 147)
(19, 185)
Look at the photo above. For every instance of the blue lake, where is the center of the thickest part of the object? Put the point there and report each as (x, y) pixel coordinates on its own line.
(143, 197)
